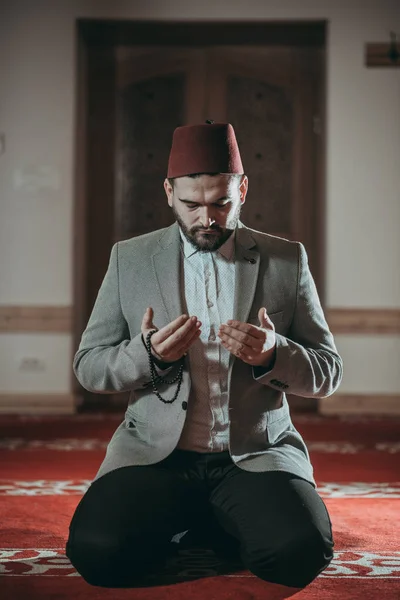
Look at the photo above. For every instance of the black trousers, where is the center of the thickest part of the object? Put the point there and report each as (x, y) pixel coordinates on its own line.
(123, 525)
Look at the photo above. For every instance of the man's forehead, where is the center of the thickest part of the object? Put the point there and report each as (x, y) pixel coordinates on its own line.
(202, 184)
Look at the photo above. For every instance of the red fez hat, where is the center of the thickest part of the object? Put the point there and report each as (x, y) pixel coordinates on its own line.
(208, 148)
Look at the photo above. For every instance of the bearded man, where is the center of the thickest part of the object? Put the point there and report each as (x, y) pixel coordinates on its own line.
(208, 324)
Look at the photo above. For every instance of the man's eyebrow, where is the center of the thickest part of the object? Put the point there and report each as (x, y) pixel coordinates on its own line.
(194, 202)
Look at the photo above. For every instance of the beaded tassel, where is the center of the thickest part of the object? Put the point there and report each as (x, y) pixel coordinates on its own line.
(155, 378)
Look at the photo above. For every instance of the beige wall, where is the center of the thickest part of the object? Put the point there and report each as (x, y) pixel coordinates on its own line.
(37, 102)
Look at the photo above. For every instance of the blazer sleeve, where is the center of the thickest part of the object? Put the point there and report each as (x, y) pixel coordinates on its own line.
(306, 361)
(108, 360)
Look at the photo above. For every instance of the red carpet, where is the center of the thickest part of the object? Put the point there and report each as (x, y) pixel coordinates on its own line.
(46, 463)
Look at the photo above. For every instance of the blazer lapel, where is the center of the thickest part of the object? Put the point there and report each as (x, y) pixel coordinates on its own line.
(166, 264)
(247, 264)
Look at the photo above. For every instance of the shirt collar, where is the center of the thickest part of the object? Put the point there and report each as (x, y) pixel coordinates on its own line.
(226, 250)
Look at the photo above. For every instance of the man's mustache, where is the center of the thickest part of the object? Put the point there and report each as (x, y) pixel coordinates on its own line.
(217, 230)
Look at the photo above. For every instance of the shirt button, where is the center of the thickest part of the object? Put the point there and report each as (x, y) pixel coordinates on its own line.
(211, 337)
(184, 405)
(210, 304)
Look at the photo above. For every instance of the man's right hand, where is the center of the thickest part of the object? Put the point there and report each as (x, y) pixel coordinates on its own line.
(171, 342)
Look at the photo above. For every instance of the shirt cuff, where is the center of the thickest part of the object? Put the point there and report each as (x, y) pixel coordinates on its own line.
(260, 371)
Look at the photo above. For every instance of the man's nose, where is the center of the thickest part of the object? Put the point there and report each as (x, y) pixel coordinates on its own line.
(207, 218)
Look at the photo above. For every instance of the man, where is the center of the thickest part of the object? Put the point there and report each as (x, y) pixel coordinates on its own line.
(207, 323)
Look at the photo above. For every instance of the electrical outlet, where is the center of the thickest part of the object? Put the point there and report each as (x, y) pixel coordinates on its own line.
(32, 364)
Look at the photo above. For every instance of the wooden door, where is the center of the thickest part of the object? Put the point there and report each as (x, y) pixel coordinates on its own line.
(271, 95)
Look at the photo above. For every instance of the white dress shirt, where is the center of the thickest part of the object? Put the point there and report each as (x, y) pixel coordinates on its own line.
(208, 292)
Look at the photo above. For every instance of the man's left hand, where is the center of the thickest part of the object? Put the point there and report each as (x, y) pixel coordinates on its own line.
(253, 345)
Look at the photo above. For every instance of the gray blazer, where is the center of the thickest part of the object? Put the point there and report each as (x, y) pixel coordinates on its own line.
(270, 271)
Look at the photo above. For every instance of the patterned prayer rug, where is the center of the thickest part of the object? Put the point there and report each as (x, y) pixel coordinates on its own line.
(46, 464)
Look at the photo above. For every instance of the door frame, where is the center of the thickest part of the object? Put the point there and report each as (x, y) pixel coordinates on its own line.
(93, 36)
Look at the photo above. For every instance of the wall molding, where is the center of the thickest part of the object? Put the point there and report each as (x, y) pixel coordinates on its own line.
(59, 319)
(360, 404)
(38, 404)
(40, 319)
(364, 321)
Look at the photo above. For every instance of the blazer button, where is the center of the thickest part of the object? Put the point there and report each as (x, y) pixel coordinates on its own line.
(184, 405)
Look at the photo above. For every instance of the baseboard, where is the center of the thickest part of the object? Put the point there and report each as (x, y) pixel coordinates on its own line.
(299, 405)
(38, 404)
(338, 404)
(360, 404)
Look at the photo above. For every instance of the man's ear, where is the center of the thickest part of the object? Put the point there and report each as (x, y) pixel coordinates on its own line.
(243, 187)
(169, 191)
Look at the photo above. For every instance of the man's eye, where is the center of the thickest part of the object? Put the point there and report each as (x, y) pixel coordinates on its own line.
(196, 205)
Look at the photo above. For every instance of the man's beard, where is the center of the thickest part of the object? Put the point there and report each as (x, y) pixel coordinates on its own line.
(209, 242)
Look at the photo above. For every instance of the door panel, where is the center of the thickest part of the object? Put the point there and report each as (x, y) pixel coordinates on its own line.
(147, 111)
(262, 115)
(261, 91)
(156, 92)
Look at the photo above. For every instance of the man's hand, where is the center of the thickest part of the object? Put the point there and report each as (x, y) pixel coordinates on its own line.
(171, 342)
(253, 345)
